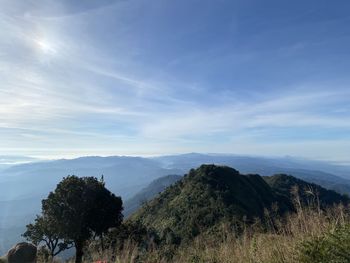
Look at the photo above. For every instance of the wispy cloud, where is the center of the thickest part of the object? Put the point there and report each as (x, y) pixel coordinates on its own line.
(289, 110)
(119, 77)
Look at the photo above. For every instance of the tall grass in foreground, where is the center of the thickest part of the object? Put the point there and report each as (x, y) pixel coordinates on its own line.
(297, 237)
(284, 242)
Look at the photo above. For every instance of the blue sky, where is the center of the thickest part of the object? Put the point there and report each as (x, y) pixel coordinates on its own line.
(156, 77)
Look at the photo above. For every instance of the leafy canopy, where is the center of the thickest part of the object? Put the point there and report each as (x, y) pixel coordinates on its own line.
(41, 231)
(81, 208)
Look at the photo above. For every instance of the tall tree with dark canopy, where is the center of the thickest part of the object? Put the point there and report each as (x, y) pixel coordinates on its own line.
(80, 208)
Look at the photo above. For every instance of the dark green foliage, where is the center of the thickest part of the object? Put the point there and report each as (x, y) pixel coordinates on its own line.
(309, 193)
(205, 198)
(42, 231)
(211, 196)
(80, 208)
(132, 232)
(332, 247)
(128, 234)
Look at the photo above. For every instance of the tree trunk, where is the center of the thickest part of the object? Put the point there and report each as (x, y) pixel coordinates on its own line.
(102, 243)
(79, 251)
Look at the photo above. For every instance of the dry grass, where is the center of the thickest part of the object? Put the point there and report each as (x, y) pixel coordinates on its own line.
(279, 243)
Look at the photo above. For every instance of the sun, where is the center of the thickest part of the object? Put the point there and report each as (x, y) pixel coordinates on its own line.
(45, 46)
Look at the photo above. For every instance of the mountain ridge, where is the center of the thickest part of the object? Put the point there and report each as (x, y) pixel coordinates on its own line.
(126, 176)
(210, 196)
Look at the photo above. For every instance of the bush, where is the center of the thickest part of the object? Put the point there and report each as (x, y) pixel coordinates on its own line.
(331, 247)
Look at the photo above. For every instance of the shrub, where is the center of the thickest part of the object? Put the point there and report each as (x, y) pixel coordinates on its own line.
(331, 247)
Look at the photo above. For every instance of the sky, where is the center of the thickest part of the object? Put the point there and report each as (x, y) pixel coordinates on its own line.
(137, 77)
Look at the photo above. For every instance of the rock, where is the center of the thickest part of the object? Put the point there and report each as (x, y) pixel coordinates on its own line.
(22, 253)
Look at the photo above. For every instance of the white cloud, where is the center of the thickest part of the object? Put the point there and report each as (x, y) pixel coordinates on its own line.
(289, 111)
(59, 88)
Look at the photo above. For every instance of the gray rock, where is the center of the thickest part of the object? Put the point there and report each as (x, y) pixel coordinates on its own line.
(22, 253)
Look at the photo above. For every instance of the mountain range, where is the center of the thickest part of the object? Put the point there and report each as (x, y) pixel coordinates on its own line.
(24, 185)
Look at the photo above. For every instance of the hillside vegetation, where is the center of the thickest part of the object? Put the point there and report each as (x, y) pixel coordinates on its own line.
(308, 193)
(212, 214)
(215, 214)
(212, 196)
(146, 194)
(126, 176)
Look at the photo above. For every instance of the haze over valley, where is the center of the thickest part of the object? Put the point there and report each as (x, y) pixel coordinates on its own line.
(25, 185)
(179, 131)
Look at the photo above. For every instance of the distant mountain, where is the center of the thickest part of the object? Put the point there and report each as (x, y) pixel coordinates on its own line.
(247, 162)
(124, 176)
(24, 181)
(153, 189)
(330, 176)
(127, 175)
(24, 186)
(212, 195)
(7, 161)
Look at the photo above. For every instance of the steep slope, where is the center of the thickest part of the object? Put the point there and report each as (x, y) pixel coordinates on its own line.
(203, 199)
(326, 180)
(288, 186)
(153, 189)
(211, 195)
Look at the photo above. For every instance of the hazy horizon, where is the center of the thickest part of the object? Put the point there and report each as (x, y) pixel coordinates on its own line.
(11, 160)
(110, 77)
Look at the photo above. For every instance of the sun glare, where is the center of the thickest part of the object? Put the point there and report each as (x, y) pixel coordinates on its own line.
(45, 46)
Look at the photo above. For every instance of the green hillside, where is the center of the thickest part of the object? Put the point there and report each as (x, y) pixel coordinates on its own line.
(153, 189)
(288, 186)
(203, 199)
(212, 195)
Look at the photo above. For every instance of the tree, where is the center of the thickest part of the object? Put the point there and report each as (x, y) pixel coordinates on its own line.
(80, 208)
(106, 206)
(42, 232)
